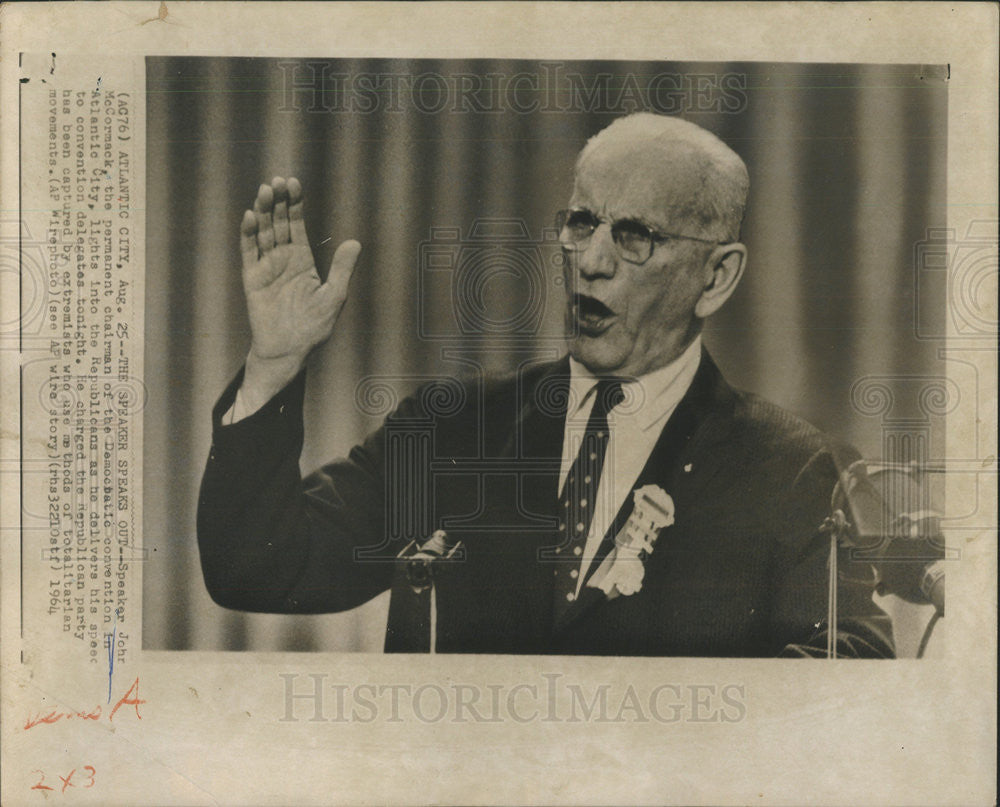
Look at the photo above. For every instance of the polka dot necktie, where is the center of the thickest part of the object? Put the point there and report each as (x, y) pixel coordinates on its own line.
(579, 494)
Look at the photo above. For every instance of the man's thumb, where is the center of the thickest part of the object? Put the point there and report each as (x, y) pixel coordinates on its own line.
(342, 265)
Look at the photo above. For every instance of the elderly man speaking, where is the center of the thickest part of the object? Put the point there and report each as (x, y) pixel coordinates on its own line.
(622, 501)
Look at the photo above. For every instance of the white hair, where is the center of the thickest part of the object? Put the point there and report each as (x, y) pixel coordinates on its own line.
(717, 206)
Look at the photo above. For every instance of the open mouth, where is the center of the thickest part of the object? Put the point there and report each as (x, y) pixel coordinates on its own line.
(592, 316)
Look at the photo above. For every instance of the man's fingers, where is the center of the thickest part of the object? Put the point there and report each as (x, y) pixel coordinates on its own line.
(280, 190)
(297, 226)
(248, 239)
(342, 267)
(263, 207)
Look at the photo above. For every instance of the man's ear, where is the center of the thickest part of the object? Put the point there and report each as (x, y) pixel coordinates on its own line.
(723, 270)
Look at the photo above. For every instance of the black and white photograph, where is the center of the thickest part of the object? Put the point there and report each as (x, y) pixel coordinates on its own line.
(498, 403)
(601, 347)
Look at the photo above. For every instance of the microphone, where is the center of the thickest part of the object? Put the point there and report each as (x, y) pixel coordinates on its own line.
(891, 526)
(421, 560)
(932, 585)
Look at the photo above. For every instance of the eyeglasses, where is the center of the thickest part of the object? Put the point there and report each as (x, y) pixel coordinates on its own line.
(633, 239)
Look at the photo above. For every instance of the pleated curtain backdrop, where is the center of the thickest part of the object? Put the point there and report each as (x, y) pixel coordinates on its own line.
(847, 166)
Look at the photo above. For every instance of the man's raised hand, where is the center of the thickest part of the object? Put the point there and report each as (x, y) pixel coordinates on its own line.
(291, 309)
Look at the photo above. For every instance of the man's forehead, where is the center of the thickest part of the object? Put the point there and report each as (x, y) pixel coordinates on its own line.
(656, 180)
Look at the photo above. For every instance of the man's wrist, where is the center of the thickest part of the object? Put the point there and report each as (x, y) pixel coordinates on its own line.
(263, 378)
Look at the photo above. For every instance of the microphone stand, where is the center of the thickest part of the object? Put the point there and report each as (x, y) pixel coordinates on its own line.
(843, 531)
(837, 526)
(421, 561)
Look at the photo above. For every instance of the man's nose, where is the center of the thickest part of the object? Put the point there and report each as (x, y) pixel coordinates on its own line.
(600, 258)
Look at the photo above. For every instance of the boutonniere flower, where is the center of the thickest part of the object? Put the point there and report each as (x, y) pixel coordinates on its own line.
(623, 569)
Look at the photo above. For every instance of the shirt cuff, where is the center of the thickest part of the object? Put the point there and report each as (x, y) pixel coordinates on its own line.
(238, 411)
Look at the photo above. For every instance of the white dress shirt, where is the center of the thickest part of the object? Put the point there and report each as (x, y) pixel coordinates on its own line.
(634, 426)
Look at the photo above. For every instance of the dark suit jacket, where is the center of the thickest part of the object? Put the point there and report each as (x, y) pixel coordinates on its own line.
(741, 572)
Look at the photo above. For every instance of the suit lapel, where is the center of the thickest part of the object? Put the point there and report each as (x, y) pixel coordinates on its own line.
(535, 452)
(699, 421)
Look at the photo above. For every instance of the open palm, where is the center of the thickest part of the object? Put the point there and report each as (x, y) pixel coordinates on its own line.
(291, 309)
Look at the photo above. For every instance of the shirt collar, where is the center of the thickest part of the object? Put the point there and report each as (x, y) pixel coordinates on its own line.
(649, 397)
